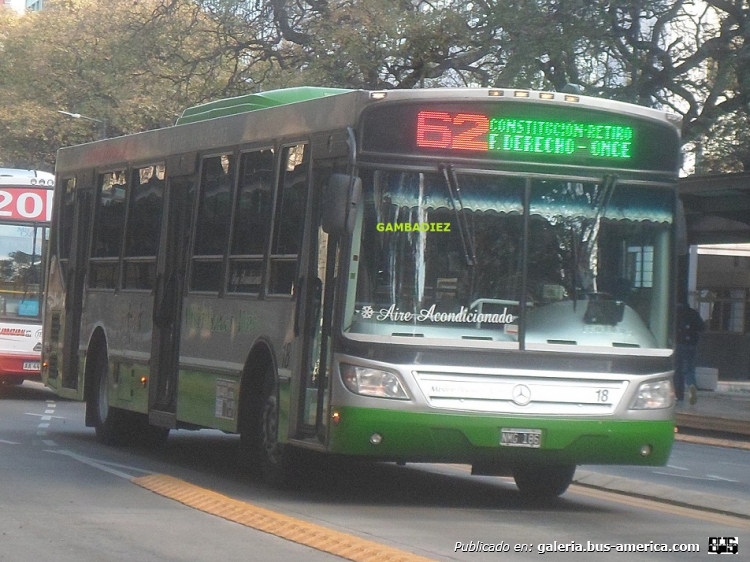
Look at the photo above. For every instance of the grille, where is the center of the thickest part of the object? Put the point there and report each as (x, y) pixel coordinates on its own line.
(513, 394)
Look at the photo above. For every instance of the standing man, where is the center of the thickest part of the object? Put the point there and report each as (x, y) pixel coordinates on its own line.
(689, 326)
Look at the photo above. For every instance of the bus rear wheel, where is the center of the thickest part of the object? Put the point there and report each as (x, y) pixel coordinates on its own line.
(270, 453)
(109, 423)
(543, 481)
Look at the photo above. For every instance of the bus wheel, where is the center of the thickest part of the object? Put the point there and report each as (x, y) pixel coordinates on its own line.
(109, 422)
(543, 481)
(270, 453)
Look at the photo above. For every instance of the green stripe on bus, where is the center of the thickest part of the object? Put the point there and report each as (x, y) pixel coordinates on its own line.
(465, 437)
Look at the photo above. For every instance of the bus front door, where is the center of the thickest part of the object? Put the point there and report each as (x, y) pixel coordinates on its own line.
(314, 321)
(170, 275)
(318, 307)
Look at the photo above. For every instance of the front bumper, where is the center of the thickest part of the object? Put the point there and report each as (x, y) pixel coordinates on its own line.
(468, 438)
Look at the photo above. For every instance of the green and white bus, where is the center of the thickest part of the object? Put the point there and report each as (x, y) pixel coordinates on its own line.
(480, 276)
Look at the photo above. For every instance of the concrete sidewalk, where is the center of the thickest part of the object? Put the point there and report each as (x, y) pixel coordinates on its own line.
(725, 411)
(720, 418)
(735, 507)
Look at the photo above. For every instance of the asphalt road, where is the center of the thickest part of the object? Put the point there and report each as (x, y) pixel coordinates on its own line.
(704, 468)
(64, 496)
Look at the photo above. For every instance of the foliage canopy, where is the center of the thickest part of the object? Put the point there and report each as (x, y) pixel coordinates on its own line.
(156, 57)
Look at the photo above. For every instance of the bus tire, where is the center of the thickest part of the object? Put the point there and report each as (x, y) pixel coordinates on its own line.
(109, 423)
(543, 481)
(269, 452)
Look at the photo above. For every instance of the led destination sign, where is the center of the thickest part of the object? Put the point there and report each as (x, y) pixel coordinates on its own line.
(475, 131)
(521, 136)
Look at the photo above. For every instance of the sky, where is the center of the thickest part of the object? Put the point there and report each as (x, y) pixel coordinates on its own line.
(18, 5)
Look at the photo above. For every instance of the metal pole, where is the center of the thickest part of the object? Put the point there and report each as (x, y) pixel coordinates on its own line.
(102, 122)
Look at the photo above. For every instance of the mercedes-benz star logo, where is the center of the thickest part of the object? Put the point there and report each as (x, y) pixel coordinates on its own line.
(521, 394)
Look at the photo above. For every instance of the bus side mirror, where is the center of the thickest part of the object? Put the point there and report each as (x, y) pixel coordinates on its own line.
(341, 196)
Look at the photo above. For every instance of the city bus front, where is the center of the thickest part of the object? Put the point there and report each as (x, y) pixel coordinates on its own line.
(508, 303)
(25, 212)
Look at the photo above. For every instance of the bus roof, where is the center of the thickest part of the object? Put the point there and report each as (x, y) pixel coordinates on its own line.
(233, 121)
(252, 102)
(13, 176)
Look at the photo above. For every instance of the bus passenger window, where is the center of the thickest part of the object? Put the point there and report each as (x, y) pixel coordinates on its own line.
(290, 217)
(252, 221)
(67, 214)
(212, 228)
(108, 231)
(146, 199)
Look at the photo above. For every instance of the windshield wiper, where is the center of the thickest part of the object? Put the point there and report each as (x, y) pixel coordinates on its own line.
(589, 237)
(608, 188)
(602, 203)
(467, 243)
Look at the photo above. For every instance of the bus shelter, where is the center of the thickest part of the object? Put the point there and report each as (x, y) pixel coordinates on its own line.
(716, 269)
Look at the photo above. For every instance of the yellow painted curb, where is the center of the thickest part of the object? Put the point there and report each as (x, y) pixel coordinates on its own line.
(321, 538)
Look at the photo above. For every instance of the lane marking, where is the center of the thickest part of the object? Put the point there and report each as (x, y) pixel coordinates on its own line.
(344, 545)
(8, 442)
(727, 463)
(715, 477)
(101, 465)
(707, 477)
(126, 466)
(43, 416)
(45, 419)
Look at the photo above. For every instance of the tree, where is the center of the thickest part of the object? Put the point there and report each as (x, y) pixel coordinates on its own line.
(726, 147)
(88, 57)
(693, 58)
(159, 56)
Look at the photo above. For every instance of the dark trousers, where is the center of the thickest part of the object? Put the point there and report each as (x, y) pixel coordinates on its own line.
(684, 373)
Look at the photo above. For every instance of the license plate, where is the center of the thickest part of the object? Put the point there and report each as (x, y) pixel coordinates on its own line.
(31, 365)
(521, 438)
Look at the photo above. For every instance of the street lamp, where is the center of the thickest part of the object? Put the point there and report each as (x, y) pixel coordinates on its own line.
(102, 122)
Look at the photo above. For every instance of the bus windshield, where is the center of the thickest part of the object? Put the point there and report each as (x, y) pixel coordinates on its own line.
(476, 256)
(20, 270)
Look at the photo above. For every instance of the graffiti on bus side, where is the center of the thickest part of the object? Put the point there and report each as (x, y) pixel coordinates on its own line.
(202, 321)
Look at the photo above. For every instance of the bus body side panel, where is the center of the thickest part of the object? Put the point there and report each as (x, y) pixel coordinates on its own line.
(125, 318)
(19, 360)
(216, 338)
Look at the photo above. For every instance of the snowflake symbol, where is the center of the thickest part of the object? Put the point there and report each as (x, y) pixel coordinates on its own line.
(366, 312)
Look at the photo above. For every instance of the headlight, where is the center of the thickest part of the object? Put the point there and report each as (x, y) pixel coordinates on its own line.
(372, 382)
(653, 394)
